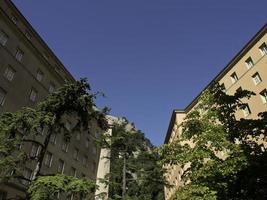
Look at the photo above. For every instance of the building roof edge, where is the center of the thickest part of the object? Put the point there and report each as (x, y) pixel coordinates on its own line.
(231, 64)
(173, 117)
(228, 67)
(39, 38)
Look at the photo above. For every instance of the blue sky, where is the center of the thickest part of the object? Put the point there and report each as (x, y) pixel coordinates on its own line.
(148, 56)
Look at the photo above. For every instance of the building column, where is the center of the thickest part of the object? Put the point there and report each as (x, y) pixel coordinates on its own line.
(102, 171)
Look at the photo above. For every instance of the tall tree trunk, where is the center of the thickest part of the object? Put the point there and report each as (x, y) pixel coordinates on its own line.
(38, 166)
(36, 171)
(124, 178)
(40, 160)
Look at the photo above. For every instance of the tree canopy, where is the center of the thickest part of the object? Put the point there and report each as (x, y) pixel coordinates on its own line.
(222, 157)
(48, 187)
(134, 173)
(74, 100)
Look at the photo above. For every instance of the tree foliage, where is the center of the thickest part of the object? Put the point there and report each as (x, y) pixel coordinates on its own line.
(47, 187)
(143, 176)
(220, 155)
(74, 100)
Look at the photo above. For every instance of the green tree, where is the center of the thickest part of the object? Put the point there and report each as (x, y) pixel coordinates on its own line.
(223, 155)
(47, 187)
(74, 100)
(134, 172)
(149, 183)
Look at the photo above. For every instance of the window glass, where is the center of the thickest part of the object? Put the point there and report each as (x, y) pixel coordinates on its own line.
(249, 63)
(39, 75)
(256, 78)
(61, 165)
(263, 49)
(33, 95)
(263, 95)
(3, 38)
(234, 77)
(246, 111)
(75, 153)
(2, 96)
(52, 87)
(9, 73)
(19, 54)
(48, 159)
(65, 146)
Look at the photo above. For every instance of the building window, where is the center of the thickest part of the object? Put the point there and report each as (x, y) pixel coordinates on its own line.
(27, 173)
(39, 75)
(48, 159)
(14, 19)
(53, 139)
(85, 160)
(61, 166)
(9, 73)
(52, 87)
(41, 130)
(65, 146)
(246, 111)
(223, 87)
(76, 154)
(239, 89)
(57, 70)
(256, 78)
(87, 143)
(78, 136)
(234, 77)
(73, 172)
(263, 49)
(249, 63)
(263, 94)
(2, 96)
(19, 55)
(45, 55)
(35, 151)
(28, 35)
(68, 125)
(94, 150)
(33, 95)
(3, 38)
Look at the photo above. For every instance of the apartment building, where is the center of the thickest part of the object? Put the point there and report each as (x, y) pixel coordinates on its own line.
(247, 71)
(29, 71)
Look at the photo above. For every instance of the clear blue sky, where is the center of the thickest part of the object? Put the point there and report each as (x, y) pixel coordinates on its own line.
(148, 56)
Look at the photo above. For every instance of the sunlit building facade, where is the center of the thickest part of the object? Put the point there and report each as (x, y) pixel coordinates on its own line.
(246, 71)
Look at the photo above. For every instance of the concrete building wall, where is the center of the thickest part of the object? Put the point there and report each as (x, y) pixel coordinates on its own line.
(105, 162)
(240, 73)
(174, 171)
(19, 77)
(102, 171)
(245, 78)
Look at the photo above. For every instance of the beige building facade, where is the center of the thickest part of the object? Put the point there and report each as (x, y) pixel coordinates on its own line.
(29, 71)
(246, 71)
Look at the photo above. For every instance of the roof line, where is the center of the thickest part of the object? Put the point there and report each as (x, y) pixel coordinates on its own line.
(231, 64)
(38, 37)
(168, 135)
(228, 67)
